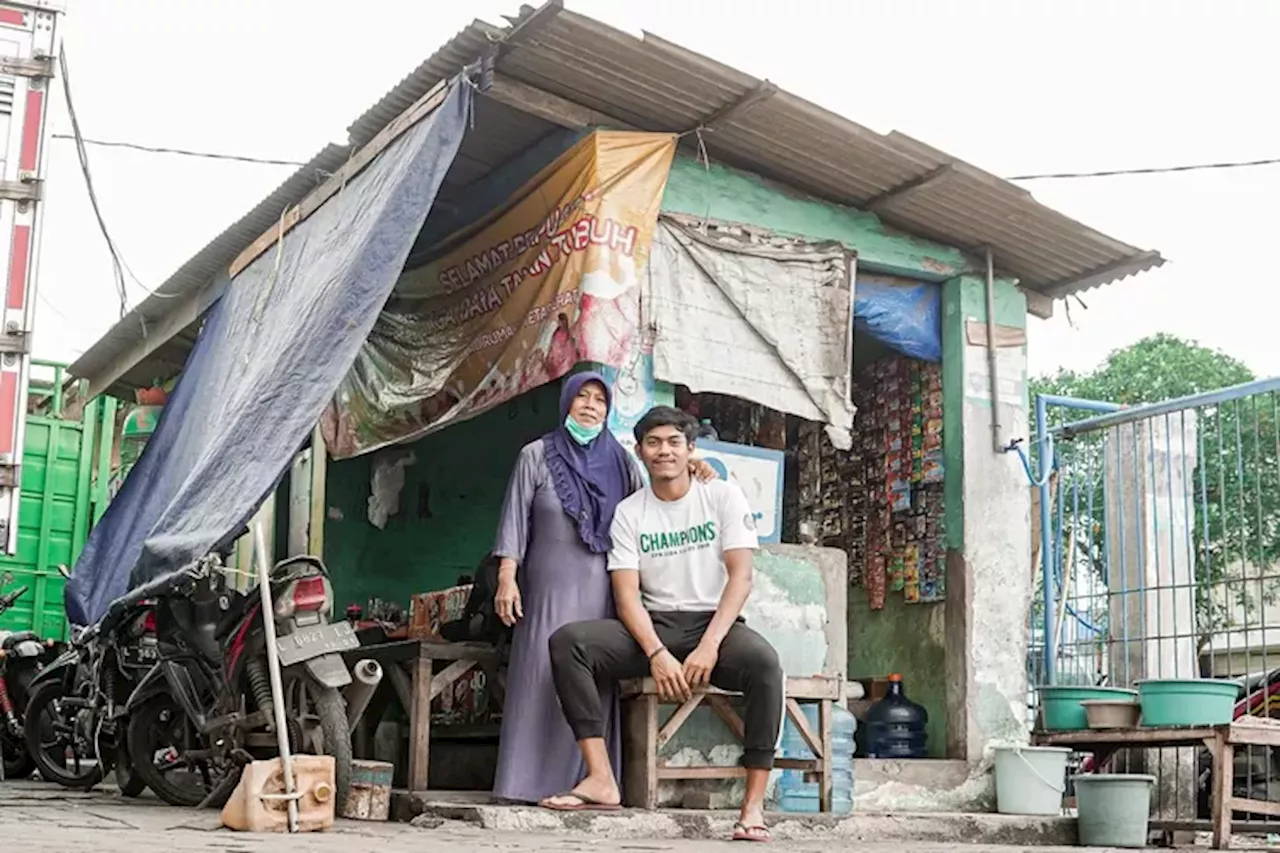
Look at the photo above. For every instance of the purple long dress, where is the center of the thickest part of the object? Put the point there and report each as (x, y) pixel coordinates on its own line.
(561, 581)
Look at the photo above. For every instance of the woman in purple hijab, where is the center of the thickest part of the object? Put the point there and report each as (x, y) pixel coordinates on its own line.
(552, 541)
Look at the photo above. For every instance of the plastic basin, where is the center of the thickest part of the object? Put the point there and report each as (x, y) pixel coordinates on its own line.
(1187, 701)
(1112, 713)
(1062, 708)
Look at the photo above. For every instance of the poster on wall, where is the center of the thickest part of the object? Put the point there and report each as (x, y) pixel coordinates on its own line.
(549, 280)
(635, 391)
(758, 470)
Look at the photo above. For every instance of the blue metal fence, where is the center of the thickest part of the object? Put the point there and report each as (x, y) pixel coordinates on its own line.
(1159, 557)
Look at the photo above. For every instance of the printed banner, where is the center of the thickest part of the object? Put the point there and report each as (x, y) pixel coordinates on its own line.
(549, 280)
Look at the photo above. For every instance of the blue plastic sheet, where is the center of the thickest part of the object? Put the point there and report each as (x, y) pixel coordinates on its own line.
(904, 315)
(272, 351)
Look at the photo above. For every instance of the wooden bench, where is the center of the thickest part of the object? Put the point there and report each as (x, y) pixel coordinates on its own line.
(1221, 741)
(643, 737)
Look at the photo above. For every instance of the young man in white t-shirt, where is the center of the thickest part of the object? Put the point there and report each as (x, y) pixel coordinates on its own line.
(681, 572)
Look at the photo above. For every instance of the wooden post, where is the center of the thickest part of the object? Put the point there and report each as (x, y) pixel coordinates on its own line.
(420, 724)
(640, 761)
(825, 781)
(319, 507)
(1223, 773)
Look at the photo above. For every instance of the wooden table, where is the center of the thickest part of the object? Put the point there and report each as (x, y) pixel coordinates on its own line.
(643, 738)
(410, 667)
(1221, 741)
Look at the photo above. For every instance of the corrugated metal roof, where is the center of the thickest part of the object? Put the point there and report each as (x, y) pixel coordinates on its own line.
(652, 84)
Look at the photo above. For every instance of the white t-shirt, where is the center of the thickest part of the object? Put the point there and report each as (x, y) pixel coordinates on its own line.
(678, 546)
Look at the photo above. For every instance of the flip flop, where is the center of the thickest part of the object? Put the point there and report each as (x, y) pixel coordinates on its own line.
(584, 804)
(758, 834)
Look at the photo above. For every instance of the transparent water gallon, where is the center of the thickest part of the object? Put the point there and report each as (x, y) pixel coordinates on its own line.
(796, 793)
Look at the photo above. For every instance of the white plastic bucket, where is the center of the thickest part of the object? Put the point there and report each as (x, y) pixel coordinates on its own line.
(1030, 780)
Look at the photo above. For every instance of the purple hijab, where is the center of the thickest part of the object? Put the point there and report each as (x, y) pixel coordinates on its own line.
(590, 481)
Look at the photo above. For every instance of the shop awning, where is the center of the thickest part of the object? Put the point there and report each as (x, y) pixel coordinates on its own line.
(274, 347)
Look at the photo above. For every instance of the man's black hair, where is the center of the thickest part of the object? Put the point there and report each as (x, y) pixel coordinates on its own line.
(660, 416)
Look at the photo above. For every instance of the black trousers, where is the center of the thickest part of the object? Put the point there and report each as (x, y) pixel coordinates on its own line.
(586, 655)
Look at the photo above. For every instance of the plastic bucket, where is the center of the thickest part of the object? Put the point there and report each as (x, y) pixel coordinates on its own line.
(1113, 810)
(1187, 702)
(1030, 780)
(1062, 709)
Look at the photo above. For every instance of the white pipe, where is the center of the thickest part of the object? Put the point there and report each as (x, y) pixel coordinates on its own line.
(273, 670)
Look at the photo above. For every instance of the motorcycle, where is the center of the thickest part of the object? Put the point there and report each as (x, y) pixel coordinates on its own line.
(22, 654)
(75, 721)
(205, 709)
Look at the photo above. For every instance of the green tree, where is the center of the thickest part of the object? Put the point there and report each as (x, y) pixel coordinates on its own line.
(1236, 483)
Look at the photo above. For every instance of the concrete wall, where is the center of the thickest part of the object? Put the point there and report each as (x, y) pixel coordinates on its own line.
(988, 524)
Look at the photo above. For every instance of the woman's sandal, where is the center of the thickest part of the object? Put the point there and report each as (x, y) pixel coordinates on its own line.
(759, 834)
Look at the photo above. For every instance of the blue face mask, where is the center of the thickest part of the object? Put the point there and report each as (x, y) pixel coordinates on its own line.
(581, 434)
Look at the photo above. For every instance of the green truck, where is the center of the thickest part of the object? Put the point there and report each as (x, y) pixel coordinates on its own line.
(71, 466)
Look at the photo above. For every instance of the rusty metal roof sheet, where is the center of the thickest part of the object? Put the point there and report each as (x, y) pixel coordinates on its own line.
(652, 84)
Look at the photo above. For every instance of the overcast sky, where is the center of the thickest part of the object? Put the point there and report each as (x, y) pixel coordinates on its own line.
(1011, 86)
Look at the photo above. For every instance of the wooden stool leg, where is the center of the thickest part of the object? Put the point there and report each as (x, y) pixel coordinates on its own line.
(825, 780)
(420, 725)
(640, 773)
(1220, 810)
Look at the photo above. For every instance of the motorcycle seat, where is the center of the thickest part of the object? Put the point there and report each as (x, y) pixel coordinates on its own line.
(10, 639)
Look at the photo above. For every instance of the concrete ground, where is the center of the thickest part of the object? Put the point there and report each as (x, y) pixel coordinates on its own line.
(38, 818)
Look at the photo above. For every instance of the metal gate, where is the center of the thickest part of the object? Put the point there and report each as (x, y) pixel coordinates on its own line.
(1159, 557)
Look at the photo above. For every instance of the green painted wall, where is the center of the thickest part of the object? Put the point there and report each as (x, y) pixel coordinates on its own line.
(718, 192)
(907, 639)
(964, 298)
(448, 509)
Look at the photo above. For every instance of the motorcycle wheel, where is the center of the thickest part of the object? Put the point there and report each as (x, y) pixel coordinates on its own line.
(331, 708)
(50, 736)
(131, 784)
(160, 725)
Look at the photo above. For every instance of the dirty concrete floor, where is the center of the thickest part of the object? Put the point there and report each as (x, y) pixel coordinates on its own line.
(38, 818)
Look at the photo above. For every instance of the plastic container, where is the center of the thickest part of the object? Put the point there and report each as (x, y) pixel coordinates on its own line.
(1187, 702)
(1113, 810)
(1062, 710)
(248, 811)
(1112, 713)
(794, 792)
(1030, 780)
(896, 725)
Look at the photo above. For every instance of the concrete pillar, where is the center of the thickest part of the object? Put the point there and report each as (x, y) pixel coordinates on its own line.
(988, 523)
(1150, 513)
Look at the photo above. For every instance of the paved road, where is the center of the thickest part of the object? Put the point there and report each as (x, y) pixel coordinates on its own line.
(36, 818)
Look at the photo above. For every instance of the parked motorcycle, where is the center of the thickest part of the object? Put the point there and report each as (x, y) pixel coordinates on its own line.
(206, 708)
(75, 720)
(22, 653)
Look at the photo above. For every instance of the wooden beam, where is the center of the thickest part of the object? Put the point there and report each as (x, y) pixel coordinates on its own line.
(928, 179)
(548, 107)
(416, 112)
(450, 674)
(678, 719)
(1038, 304)
(187, 311)
(763, 91)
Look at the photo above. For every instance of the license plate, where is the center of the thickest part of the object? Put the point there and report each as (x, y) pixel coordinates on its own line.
(142, 655)
(307, 643)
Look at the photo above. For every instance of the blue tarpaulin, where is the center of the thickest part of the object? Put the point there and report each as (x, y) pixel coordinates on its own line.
(904, 315)
(272, 351)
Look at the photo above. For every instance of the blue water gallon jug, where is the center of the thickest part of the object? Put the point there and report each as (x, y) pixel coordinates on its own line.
(896, 725)
(798, 794)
